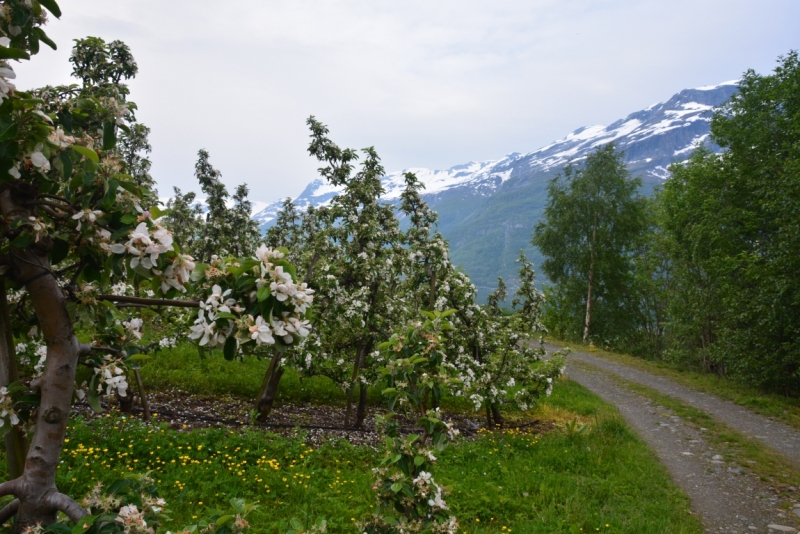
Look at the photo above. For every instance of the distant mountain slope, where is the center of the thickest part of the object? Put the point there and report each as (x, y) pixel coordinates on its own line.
(487, 209)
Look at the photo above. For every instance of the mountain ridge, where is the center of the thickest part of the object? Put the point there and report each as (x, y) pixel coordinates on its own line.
(488, 208)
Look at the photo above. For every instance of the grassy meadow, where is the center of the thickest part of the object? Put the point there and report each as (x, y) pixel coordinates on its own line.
(599, 479)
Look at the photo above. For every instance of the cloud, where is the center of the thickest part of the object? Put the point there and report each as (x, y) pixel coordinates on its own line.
(429, 84)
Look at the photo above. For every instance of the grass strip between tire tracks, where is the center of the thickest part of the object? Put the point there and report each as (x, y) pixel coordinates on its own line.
(784, 409)
(749, 453)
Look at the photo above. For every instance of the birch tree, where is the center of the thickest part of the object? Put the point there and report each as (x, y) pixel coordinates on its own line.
(592, 221)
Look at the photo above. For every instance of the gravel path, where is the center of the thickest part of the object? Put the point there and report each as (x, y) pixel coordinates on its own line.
(774, 434)
(725, 497)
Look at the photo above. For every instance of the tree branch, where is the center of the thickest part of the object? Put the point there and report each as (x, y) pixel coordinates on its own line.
(10, 487)
(55, 197)
(104, 349)
(150, 302)
(64, 504)
(9, 511)
(49, 204)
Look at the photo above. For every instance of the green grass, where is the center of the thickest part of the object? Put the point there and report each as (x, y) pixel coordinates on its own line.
(184, 369)
(604, 479)
(785, 409)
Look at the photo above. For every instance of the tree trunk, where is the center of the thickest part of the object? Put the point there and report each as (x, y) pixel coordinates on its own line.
(361, 413)
(269, 387)
(489, 421)
(39, 499)
(497, 416)
(270, 394)
(16, 442)
(142, 395)
(591, 285)
(357, 365)
(126, 402)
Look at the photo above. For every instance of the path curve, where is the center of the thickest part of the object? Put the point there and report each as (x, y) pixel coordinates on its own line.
(774, 434)
(726, 497)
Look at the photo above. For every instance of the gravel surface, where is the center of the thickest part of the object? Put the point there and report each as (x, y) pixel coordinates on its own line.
(774, 434)
(725, 497)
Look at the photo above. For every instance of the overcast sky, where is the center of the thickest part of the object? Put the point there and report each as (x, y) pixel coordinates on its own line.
(431, 83)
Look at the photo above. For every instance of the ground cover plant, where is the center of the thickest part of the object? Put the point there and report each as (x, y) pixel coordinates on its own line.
(600, 479)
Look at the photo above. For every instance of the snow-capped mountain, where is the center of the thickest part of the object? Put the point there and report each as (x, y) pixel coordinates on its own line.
(652, 139)
(487, 210)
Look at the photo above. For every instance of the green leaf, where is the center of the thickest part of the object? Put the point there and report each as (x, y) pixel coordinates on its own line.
(224, 519)
(246, 266)
(52, 7)
(119, 485)
(109, 135)
(144, 273)
(44, 38)
(225, 315)
(59, 251)
(296, 524)
(140, 357)
(8, 130)
(33, 43)
(111, 193)
(66, 164)
(396, 487)
(128, 218)
(86, 152)
(157, 213)
(23, 240)
(84, 524)
(32, 399)
(229, 351)
(58, 528)
(13, 53)
(94, 399)
(264, 293)
(130, 187)
(199, 271)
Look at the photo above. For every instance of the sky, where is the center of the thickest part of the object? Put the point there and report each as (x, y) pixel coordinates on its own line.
(427, 83)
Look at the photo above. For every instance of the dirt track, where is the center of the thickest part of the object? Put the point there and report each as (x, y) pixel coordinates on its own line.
(725, 496)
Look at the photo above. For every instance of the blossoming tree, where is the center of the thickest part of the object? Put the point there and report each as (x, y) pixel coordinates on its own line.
(74, 199)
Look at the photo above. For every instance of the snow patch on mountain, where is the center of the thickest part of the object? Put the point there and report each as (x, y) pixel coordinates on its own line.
(652, 139)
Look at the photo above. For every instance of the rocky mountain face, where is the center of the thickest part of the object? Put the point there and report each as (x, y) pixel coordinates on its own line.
(487, 210)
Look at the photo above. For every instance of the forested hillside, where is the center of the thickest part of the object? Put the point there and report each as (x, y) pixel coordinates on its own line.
(487, 209)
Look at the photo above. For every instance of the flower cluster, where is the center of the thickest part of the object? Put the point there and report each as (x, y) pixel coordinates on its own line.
(205, 327)
(262, 305)
(7, 413)
(147, 243)
(33, 352)
(6, 73)
(133, 520)
(110, 375)
(144, 247)
(280, 282)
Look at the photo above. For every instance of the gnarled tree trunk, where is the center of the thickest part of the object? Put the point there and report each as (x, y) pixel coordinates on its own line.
(37, 498)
